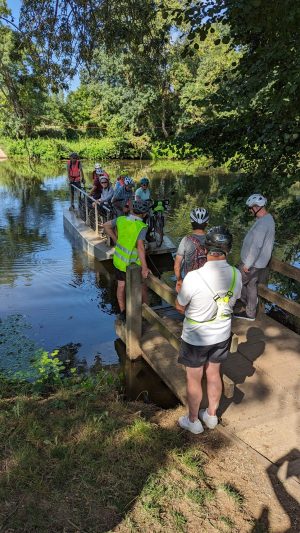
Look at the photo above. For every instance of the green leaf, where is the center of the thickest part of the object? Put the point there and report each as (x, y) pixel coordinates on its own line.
(226, 39)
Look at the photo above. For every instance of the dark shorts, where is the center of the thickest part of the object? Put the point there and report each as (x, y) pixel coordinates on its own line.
(120, 275)
(76, 183)
(196, 356)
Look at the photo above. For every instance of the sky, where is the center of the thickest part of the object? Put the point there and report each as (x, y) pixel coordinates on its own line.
(14, 6)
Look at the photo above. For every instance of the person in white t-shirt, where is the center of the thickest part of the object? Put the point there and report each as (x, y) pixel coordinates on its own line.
(207, 298)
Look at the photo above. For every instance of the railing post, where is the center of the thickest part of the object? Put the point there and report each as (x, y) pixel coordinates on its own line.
(86, 210)
(96, 218)
(133, 311)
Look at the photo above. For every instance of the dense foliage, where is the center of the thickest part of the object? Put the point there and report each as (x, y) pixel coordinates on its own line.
(220, 75)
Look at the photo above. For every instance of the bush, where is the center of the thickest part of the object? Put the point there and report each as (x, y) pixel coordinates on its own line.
(177, 150)
(123, 147)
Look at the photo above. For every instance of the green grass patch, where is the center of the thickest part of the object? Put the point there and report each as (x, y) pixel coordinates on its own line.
(227, 521)
(233, 493)
(194, 461)
(201, 496)
(179, 521)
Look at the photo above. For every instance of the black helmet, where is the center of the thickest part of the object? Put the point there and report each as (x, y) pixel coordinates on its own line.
(140, 207)
(73, 155)
(218, 239)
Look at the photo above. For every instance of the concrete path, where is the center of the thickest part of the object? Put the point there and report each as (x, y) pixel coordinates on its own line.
(265, 409)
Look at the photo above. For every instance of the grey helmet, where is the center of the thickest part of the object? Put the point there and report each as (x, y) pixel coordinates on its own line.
(218, 239)
(256, 199)
(199, 215)
(140, 208)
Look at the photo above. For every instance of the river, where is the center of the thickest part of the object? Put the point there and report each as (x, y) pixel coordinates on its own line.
(63, 295)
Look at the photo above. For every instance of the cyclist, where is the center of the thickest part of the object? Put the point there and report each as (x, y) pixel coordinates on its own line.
(120, 182)
(75, 174)
(107, 193)
(143, 192)
(255, 254)
(207, 297)
(128, 234)
(123, 197)
(97, 174)
(191, 253)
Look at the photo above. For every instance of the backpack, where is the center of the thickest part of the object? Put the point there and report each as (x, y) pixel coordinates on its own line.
(199, 258)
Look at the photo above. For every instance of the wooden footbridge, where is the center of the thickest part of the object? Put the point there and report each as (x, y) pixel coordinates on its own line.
(261, 376)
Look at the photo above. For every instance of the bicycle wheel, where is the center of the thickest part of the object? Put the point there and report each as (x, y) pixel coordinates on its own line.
(158, 230)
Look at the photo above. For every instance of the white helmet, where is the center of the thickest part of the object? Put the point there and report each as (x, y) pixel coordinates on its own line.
(97, 165)
(128, 181)
(199, 215)
(256, 199)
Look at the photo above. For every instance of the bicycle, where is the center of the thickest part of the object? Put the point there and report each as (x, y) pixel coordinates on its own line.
(156, 221)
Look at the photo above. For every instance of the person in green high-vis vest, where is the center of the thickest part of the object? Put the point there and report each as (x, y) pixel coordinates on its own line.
(128, 234)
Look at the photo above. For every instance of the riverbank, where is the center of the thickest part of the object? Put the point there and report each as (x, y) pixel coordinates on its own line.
(82, 459)
(127, 147)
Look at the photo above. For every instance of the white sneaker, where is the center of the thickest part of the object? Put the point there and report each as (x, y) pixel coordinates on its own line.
(211, 421)
(194, 427)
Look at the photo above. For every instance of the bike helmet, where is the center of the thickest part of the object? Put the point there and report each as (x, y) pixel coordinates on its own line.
(218, 239)
(144, 181)
(199, 215)
(73, 155)
(128, 181)
(140, 207)
(256, 199)
(98, 166)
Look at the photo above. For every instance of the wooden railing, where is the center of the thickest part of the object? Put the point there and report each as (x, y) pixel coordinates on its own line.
(135, 310)
(274, 297)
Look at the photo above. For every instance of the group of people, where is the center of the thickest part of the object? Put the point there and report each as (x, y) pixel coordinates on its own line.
(209, 289)
(120, 196)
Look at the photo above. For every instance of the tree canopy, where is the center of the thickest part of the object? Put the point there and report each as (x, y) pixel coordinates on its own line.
(223, 75)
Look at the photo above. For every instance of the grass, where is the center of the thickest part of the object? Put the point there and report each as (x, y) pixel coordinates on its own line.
(227, 521)
(201, 496)
(82, 459)
(179, 520)
(233, 493)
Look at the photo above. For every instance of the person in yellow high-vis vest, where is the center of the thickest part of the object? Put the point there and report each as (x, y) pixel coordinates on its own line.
(128, 233)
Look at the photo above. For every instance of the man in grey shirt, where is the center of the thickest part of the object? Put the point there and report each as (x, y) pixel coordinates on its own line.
(191, 253)
(255, 254)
